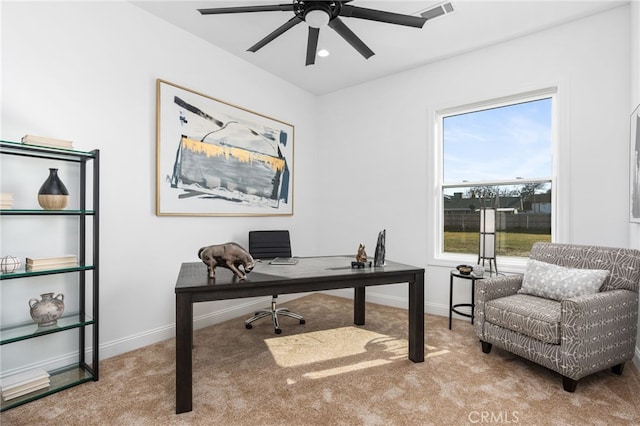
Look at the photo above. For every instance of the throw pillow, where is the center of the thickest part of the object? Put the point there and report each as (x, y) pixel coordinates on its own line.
(558, 282)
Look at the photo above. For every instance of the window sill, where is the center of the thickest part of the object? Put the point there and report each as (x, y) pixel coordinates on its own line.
(505, 263)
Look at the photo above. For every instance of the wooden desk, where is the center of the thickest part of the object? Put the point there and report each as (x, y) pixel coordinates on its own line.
(309, 274)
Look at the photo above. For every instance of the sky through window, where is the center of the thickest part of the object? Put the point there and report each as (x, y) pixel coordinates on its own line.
(508, 142)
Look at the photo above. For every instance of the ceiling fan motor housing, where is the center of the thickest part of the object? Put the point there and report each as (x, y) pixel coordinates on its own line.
(317, 16)
(316, 13)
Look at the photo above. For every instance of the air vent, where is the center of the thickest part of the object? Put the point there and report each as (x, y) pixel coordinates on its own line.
(437, 11)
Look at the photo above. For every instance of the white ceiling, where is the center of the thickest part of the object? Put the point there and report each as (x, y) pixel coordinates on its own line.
(474, 24)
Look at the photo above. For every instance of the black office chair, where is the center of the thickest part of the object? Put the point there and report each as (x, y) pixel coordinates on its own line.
(267, 245)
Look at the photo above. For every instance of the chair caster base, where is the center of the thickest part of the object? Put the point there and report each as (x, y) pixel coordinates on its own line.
(273, 313)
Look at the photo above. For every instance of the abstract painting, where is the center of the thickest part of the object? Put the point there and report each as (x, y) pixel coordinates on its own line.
(634, 167)
(218, 159)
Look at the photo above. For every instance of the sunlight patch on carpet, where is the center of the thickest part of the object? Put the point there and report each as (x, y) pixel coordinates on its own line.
(325, 345)
(346, 369)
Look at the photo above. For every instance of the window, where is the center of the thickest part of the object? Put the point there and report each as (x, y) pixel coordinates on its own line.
(497, 154)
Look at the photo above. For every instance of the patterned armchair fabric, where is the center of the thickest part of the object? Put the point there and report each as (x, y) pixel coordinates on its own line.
(574, 337)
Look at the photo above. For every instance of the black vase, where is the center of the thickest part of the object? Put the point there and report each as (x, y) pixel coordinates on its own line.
(53, 195)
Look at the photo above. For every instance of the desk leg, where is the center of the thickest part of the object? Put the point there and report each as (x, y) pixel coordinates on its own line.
(358, 305)
(184, 344)
(416, 319)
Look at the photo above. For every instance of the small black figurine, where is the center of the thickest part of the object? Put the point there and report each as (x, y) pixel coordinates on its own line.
(378, 260)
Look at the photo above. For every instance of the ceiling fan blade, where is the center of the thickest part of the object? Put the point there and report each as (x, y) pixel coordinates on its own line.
(276, 33)
(312, 45)
(382, 16)
(338, 26)
(243, 9)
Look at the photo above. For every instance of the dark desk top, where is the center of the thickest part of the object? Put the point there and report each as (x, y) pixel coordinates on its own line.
(193, 276)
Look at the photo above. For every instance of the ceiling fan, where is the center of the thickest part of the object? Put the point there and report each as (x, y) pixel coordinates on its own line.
(317, 14)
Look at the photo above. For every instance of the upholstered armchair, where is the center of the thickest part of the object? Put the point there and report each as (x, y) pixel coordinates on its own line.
(574, 311)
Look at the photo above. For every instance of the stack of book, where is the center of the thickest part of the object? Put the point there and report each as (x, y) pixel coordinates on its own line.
(48, 142)
(6, 201)
(24, 383)
(44, 263)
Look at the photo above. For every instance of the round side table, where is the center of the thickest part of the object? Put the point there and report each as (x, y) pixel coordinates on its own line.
(453, 308)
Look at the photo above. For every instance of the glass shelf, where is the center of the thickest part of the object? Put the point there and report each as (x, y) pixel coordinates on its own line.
(40, 212)
(28, 330)
(22, 273)
(18, 148)
(60, 379)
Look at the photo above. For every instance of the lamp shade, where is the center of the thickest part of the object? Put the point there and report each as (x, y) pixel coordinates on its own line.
(487, 246)
(488, 220)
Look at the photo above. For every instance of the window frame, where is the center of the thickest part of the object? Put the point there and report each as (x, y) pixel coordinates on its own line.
(510, 262)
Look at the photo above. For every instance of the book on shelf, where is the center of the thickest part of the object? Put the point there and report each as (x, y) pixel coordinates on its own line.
(6, 200)
(46, 261)
(31, 268)
(26, 388)
(48, 142)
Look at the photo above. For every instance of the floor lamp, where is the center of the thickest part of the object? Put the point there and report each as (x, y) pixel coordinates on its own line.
(487, 250)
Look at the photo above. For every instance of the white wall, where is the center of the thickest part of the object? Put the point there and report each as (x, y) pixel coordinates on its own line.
(86, 71)
(381, 134)
(88, 74)
(634, 53)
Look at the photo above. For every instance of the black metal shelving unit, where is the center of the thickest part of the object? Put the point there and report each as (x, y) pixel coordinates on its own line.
(86, 318)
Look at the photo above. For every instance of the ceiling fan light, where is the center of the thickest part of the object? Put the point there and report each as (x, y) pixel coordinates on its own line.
(317, 18)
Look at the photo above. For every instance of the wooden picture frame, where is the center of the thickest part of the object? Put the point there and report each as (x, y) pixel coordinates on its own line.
(214, 158)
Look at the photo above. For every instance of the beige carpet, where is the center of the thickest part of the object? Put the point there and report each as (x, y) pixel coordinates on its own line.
(329, 372)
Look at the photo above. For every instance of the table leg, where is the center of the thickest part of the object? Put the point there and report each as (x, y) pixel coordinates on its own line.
(450, 299)
(358, 305)
(473, 298)
(416, 318)
(184, 344)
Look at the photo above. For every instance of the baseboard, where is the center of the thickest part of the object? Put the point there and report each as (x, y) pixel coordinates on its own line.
(149, 337)
(394, 301)
(48, 364)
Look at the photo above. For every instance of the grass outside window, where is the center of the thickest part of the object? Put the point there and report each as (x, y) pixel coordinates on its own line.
(507, 243)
